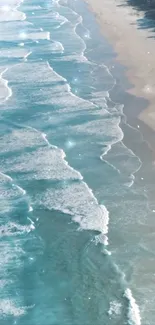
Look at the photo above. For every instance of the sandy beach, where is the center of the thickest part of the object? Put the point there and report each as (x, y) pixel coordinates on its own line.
(134, 47)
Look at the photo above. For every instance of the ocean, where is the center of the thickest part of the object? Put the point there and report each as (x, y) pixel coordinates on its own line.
(73, 213)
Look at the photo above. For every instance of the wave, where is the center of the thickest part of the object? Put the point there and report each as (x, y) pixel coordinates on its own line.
(33, 162)
(11, 260)
(80, 102)
(20, 189)
(123, 160)
(115, 308)
(9, 307)
(14, 229)
(5, 90)
(9, 11)
(57, 47)
(133, 309)
(7, 177)
(26, 55)
(15, 53)
(4, 177)
(77, 200)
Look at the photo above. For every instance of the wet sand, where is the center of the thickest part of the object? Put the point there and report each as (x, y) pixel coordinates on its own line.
(134, 47)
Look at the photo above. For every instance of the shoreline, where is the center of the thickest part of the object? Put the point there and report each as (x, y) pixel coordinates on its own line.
(134, 49)
(131, 91)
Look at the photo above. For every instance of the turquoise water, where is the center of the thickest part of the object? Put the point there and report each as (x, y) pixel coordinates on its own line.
(72, 211)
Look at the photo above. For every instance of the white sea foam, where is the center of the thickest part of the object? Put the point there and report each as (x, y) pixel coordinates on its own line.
(55, 74)
(44, 136)
(52, 47)
(73, 43)
(42, 163)
(4, 177)
(11, 253)
(5, 90)
(47, 162)
(31, 7)
(133, 309)
(78, 200)
(30, 209)
(19, 188)
(45, 75)
(115, 308)
(79, 42)
(9, 307)
(10, 3)
(107, 252)
(11, 142)
(57, 47)
(21, 32)
(107, 127)
(111, 165)
(9, 12)
(73, 57)
(99, 98)
(34, 36)
(14, 229)
(10, 192)
(13, 53)
(61, 20)
(26, 55)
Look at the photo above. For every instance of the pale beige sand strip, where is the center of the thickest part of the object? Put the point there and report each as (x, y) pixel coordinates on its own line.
(134, 48)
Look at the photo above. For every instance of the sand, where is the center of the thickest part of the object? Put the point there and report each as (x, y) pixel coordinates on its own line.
(134, 47)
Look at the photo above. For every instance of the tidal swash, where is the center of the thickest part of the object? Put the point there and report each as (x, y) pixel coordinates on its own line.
(65, 176)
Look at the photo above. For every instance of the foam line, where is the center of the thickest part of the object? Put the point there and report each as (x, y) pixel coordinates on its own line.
(133, 309)
(26, 56)
(20, 189)
(5, 83)
(63, 155)
(14, 185)
(6, 176)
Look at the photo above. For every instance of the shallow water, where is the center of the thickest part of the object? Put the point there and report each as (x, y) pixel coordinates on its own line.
(73, 210)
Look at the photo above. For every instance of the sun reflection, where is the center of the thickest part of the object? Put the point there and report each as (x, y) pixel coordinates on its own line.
(22, 35)
(75, 80)
(148, 89)
(21, 44)
(70, 144)
(87, 35)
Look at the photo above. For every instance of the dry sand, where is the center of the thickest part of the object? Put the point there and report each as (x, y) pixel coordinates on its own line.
(134, 48)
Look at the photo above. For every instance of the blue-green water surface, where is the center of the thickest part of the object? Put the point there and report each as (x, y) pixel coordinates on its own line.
(72, 214)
